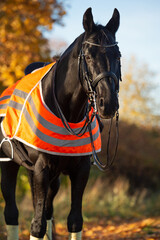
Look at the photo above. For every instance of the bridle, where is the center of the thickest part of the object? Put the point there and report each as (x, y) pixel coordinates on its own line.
(99, 77)
(91, 85)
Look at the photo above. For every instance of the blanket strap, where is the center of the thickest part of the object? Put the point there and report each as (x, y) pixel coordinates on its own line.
(6, 159)
(17, 155)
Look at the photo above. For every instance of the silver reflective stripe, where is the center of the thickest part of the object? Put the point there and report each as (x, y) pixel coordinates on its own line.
(3, 106)
(56, 141)
(5, 97)
(48, 125)
(20, 93)
(15, 105)
(51, 127)
(12, 103)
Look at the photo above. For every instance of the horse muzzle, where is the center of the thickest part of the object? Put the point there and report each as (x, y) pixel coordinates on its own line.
(105, 112)
(107, 94)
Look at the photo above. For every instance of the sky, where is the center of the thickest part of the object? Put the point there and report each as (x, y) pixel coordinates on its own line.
(138, 34)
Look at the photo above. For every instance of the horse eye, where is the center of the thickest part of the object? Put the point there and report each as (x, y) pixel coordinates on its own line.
(118, 59)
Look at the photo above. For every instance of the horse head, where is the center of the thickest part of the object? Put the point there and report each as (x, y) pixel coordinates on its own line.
(100, 62)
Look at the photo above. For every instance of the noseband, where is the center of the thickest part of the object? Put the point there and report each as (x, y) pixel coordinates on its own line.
(104, 75)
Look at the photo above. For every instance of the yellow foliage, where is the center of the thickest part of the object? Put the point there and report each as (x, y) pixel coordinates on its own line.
(21, 39)
(136, 103)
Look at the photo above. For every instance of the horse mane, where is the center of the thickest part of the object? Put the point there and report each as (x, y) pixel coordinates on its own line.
(76, 45)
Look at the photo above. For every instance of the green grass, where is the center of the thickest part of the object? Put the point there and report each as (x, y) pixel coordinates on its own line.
(102, 200)
(105, 200)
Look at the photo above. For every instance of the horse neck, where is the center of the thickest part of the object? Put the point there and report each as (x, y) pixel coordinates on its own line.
(64, 84)
(69, 91)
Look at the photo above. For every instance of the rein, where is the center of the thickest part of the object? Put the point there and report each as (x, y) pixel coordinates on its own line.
(97, 162)
(91, 84)
(67, 126)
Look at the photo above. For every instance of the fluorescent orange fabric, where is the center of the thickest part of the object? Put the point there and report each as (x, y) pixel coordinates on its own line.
(28, 119)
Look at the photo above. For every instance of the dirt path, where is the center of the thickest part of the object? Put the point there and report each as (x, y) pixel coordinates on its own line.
(147, 229)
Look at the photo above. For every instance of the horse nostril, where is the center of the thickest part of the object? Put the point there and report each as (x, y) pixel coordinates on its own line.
(101, 102)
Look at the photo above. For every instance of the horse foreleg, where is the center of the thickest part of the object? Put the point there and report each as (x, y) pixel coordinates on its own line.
(52, 191)
(8, 186)
(39, 185)
(79, 178)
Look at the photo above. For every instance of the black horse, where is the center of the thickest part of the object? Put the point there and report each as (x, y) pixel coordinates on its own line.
(89, 67)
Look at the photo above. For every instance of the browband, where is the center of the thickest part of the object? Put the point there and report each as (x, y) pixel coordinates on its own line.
(98, 45)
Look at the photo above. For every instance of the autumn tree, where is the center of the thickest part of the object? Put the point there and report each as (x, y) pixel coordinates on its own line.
(137, 104)
(22, 23)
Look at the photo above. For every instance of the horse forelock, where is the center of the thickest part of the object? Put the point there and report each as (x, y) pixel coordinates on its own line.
(101, 35)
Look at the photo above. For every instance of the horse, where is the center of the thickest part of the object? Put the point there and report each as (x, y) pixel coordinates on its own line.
(85, 77)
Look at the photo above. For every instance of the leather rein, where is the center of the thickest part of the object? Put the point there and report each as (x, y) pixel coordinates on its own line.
(91, 85)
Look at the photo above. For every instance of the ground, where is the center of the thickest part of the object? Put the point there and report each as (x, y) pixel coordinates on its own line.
(114, 216)
(145, 229)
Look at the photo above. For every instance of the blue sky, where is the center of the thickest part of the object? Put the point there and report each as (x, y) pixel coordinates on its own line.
(139, 32)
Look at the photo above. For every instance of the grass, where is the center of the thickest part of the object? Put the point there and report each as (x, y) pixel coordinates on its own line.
(102, 201)
(109, 201)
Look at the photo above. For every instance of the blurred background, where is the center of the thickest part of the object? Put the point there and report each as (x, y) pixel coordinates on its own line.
(35, 30)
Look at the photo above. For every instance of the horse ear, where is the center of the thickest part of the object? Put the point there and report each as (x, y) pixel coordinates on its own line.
(88, 22)
(113, 23)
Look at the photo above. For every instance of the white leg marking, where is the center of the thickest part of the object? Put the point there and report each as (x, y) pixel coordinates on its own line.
(12, 232)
